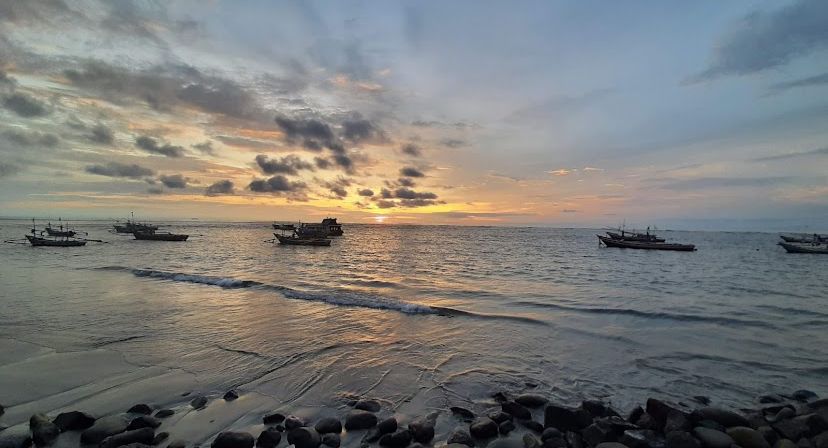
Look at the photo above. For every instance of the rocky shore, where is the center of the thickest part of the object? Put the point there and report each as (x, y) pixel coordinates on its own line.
(796, 420)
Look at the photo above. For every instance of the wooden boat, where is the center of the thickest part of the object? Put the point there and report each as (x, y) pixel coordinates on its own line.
(60, 231)
(809, 239)
(328, 227)
(644, 237)
(286, 227)
(160, 236)
(132, 226)
(294, 240)
(805, 248)
(55, 242)
(611, 242)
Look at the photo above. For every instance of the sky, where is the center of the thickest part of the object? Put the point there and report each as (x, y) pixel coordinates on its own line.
(702, 114)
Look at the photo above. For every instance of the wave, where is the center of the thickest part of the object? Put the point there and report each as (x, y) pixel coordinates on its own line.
(224, 282)
(652, 314)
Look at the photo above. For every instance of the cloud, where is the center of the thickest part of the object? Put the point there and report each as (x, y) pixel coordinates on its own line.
(407, 193)
(452, 142)
(173, 181)
(114, 169)
(276, 184)
(406, 182)
(7, 83)
(337, 186)
(25, 105)
(220, 187)
(411, 150)
(358, 129)
(560, 172)
(817, 80)
(312, 133)
(344, 161)
(767, 39)
(30, 139)
(150, 145)
(8, 169)
(322, 163)
(569, 210)
(243, 142)
(155, 190)
(724, 182)
(794, 155)
(205, 148)
(102, 135)
(289, 164)
(367, 192)
(410, 171)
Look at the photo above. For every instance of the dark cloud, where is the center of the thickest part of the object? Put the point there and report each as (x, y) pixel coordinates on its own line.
(763, 40)
(312, 132)
(794, 155)
(25, 105)
(8, 169)
(219, 188)
(173, 181)
(289, 164)
(406, 182)
(150, 145)
(276, 184)
(817, 80)
(337, 186)
(244, 142)
(386, 193)
(357, 129)
(322, 163)
(344, 161)
(407, 193)
(366, 192)
(339, 191)
(724, 182)
(410, 171)
(411, 150)
(155, 190)
(30, 139)
(114, 169)
(102, 135)
(452, 142)
(205, 148)
(386, 204)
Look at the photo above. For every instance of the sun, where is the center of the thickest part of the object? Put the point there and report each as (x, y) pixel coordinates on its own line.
(380, 219)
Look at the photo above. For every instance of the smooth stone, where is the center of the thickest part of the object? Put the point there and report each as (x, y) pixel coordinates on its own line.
(681, 439)
(610, 445)
(659, 409)
(44, 432)
(499, 416)
(328, 424)
(74, 421)
(710, 424)
(595, 408)
(803, 395)
(387, 426)
(516, 410)
(635, 414)
(565, 418)
(820, 441)
(21, 440)
(397, 439)
(505, 427)
(747, 437)
(371, 436)
(304, 437)
(550, 433)
(530, 441)
(804, 443)
(368, 405)
(178, 443)
(460, 436)
(272, 419)
(500, 397)
(462, 413)
(598, 432)
(769, 434)
(794, 428)
(531, 400)
(483, 428)
(233, 439)
(231, 395)
(269, 438)
(505, 443)
(164, 413)
(422, 430)
(103, 428)
(643, 438)
(723, 417)
(293, 422)
(332, 440)
(160, 437)
(676, 421)
(784, 443)
(647, 421)
(140, 409)
(144, 421)
(200, 402)
(555, 442)
(711, 438)
(780, 415)
(363, 419)
(144, 436)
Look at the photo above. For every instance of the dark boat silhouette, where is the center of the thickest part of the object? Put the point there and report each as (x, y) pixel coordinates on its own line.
(159, 236)
(54, 241)
(612, 242)
(805, 248)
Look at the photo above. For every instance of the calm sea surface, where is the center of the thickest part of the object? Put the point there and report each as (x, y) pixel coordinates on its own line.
(427, 315)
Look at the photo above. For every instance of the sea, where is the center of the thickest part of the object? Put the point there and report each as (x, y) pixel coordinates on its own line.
(419, 316)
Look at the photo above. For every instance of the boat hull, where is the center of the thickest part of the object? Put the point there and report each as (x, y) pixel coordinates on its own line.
(793, 248)
(63, 233)
(44, 242)
(160, 236)
(294, 241)
(796, 239)
(644, 238)
(611, 242)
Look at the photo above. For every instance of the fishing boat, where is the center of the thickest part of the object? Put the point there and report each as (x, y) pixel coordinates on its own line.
(612, 242)
(643, 237)
(295, 240)
(286, 227)
(56, 241)
(328, 227)
(132, 226)
(809, 239)
(59, 231)
(159, 236)
(805, 248)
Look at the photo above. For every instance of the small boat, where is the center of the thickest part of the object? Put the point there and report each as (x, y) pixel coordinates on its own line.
(809, 239)
(132, 226)
(294, 240)
(160, 236)
(55, 241)
(612, 242)
(328, 227)
(805, 248)
(59, 231)
(286, 227)
(644, 237)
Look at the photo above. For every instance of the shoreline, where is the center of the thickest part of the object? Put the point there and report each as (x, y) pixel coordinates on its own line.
(238, 419)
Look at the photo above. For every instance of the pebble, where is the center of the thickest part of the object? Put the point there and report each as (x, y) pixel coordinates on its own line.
(483, 428)
(368, 405)
(711, 438)
(506, 427)
(200, 402)
(140, 409)
(356, 420)
(550, 433)
(499, 416)
(681, 439)
(644, 438)
(387, 426)
(144, 436)
(532, 425)
(803, 395)
(293, 422)
(332, 440)
(144, 421)
(516, 410)
(462, 413)
(460, 436)
(274, 418)
(103, 428)
(723, 417)
(747, 437)
(531, 400)
(304, 437)
(269, 438)
(397, 439)
(74, 421)
(233, 439)
(178, 443)
(422, 430)
(230, 395)
(676, 421)
(564, 418)
(530, 441)
(610, 445)
(44, 432)
(329, 424)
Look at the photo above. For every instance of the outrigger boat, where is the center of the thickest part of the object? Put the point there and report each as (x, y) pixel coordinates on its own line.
(60, 231)
(816, 238)
(294, 240)
(55, 241)
(643, 237)
(805, 248)
(612, 242)
(159, 236)
(287, 227)
(131, 226)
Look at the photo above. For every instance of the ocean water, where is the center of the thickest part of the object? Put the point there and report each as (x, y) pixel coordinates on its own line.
(423, 316)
